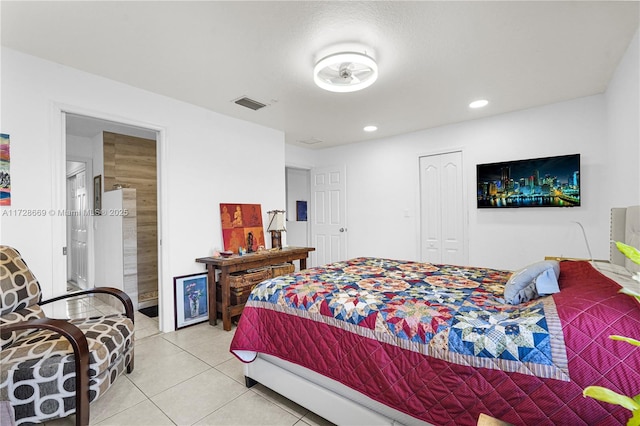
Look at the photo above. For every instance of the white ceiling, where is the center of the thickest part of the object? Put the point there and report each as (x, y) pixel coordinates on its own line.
(434, 57)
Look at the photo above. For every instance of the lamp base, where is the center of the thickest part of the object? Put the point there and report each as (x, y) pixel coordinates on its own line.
(276, 239)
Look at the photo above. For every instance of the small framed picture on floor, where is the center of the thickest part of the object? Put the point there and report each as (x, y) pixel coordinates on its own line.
(191, 299)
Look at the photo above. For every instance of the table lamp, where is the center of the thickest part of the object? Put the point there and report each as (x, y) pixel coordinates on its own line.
(276, 226)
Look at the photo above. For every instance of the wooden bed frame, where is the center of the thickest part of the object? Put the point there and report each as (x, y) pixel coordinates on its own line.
(342, 405)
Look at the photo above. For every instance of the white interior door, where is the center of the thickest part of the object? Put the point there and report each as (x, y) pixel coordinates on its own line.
(328, 214)
(430, 209)
(77, 208)
(442, 209)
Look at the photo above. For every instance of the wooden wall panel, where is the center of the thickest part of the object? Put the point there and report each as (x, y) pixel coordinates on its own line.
(109, 154)
(131, 162)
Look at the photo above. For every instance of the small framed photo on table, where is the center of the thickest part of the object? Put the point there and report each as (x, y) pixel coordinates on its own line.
(191, 299)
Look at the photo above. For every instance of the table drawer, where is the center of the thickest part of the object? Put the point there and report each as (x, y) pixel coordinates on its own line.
(241, 284)
(248, 278)
(284, 269)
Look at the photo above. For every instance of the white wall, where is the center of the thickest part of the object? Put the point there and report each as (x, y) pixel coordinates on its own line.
(78, 146)
(383, 177)
(298, 157)
(383, 183)
(203, 162)
(623, 114)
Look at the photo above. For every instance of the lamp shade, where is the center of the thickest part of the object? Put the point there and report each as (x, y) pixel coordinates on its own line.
(276, 221)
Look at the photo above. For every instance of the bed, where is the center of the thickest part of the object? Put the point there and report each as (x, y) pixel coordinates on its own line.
(385, 341)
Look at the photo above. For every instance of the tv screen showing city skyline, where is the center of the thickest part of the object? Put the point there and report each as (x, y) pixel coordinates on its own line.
(537, 182)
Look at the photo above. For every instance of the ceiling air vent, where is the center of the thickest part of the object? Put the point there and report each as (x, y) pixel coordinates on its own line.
(249, 103)
(311, 141)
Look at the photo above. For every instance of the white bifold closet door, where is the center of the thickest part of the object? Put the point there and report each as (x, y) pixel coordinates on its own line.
(442, 209)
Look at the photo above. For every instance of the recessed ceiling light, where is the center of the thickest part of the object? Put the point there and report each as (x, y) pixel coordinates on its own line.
(370, 128)
(479, 103)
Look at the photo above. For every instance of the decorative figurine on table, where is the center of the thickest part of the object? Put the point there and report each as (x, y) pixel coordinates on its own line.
(250, 242)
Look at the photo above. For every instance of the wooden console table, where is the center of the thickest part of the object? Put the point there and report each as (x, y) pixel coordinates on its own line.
(235, 263)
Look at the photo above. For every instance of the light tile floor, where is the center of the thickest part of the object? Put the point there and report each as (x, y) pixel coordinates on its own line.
(186, 377)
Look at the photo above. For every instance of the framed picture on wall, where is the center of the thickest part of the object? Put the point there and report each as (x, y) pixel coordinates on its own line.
(5, 177)
(191, 299)
(241, 227)
(301, 211)
(97, 195)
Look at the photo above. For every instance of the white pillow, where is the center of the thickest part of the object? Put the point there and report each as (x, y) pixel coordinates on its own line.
(532, 281)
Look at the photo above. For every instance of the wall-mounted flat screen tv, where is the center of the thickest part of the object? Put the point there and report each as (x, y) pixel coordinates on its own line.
(537, 182)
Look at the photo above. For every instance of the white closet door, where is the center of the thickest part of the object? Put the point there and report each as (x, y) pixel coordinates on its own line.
(442, 209)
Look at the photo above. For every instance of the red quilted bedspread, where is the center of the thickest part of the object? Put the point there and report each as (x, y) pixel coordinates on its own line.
(455, 391)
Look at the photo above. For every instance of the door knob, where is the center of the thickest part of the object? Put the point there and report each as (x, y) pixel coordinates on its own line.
(342, 229)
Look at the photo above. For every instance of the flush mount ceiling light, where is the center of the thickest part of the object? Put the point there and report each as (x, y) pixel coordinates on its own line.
(345, 72)
(370, 128)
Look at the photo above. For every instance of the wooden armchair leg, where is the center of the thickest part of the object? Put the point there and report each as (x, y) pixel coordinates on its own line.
(130, 365)
(82, 415)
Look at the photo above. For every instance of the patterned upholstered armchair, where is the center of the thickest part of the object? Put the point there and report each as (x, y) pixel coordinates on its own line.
(52, 368)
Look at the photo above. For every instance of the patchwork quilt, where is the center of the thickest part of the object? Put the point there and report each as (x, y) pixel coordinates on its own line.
(438, 342)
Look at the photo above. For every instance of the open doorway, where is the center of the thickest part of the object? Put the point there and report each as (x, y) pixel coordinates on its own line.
(297, 190)
(121, 249)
